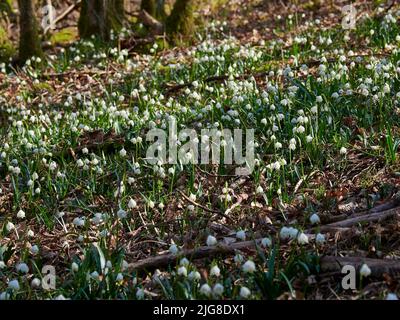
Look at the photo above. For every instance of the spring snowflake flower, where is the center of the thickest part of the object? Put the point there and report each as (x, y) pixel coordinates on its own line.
(21, 214)
(211, 241)
(320, 238)
(266, 242)
(34, 249)
(35, 283)
(121, 214)
(184, 262)
(249, 266)
(95, 275)
(131, 204)
(140, 294)
(194, 276)
(302, 238)
(343, 150)
(74, 267)
(13, 285)
(10, 226)
(391, 296)
(173, 248)
(215, 271)
(314, 219)
(5, 295)
(182, 271)
(122, 152)
(205, 289)
(218, 289)
(53, 166)
(259, 189)
(245, 292)
(241, 235)
(365, 271)
(119, 277)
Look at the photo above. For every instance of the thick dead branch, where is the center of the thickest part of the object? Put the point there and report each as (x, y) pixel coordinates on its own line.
(377, 266)
(198, 253)
(374, 216)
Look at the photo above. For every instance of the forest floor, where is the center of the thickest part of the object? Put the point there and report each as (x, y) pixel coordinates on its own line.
(78, 193)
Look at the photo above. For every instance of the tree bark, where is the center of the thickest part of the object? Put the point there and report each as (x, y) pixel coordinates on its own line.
(99, 17)
(29, 41)
(180, 21)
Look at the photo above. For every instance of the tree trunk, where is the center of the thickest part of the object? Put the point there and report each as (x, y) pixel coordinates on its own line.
(29, 41)
(149, 6)
(180, 22)
(99, 17)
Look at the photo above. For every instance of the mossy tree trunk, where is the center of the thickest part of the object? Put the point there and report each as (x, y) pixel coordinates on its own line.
(29, 41)
(180, 21)
(99, 17)
(155, 8)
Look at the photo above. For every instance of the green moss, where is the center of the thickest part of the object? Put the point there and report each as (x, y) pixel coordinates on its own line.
(7, 49)
(180, 21)
(64, 36)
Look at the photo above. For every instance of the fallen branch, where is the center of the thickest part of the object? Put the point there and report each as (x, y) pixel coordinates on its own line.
(377, 266)
(151, 22)
(374, 216)
(192, 254)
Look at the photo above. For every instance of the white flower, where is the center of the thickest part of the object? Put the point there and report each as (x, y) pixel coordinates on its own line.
(302, 238)
(211, 241)
(215, 271)
(79, 163)
(173, 249)
(34, 249)
(21, 214)
(205, 289)
(184, 262)
(392, 296)
(22, 267)
(4, 295)
(74, 267)
(284, 234)
(35, 283)
(13, 285)
(365, 271)
(194, 275)
(245, 292)
(320, 238)
(266, 242)
(314, 219)
(241, 235)
(119, 277)
(249, 266)
(122, 152)
(131, 204)
(218, 289)
(121, 214)
(53, 166)
(95, 275)
(182, 271)
(343, 150)
(10, 226)
(140, 294)
(259, 189)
